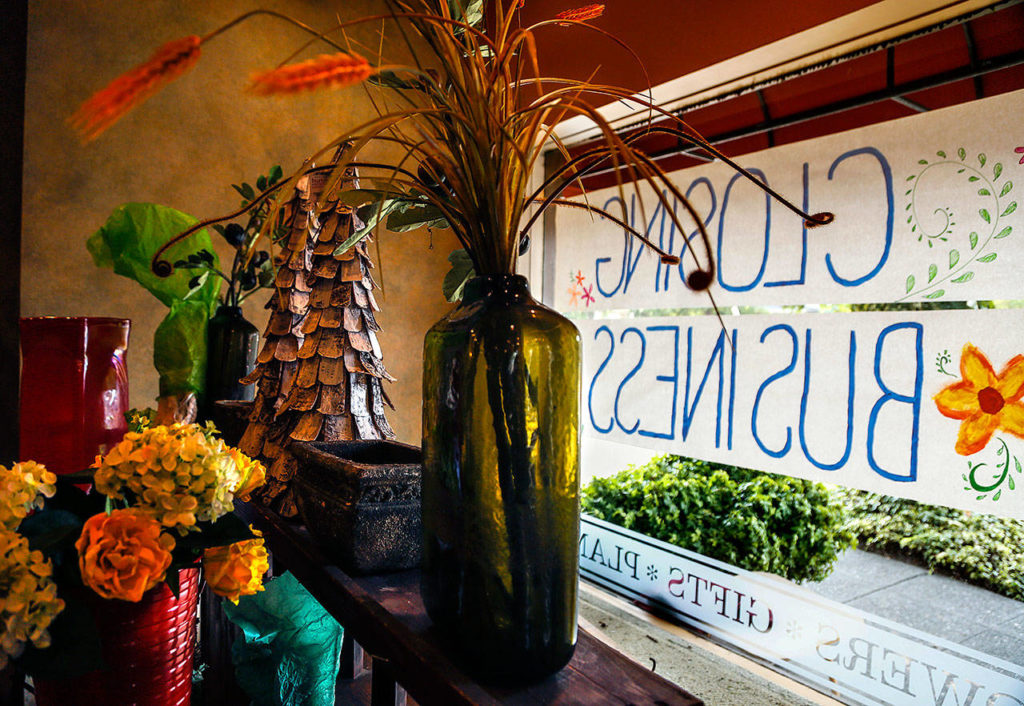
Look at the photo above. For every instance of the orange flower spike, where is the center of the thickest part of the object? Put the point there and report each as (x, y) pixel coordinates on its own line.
(108, 105)
(326, 71)
(984, 400)
(581, 14)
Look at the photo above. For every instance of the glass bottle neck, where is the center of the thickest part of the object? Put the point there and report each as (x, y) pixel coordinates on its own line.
(510, 288)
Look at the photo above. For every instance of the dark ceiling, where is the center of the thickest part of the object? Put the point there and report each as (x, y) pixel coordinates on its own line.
(981, 57)
(671, 37)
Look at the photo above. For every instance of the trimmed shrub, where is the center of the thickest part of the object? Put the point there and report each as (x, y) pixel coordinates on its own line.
(757, 521)
(982, 549)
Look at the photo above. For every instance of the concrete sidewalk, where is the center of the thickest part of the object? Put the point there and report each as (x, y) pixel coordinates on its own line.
(939, 605)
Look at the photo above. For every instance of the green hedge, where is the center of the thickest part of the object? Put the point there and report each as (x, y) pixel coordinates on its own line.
(757, 521)
(983, 549)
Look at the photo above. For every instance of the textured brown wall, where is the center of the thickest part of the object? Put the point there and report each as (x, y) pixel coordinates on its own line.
(184, 148)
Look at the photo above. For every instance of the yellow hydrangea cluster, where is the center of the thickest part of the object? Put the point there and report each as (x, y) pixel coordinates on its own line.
(28, 596)
(237, 569)
(181, 474)
(22, 488)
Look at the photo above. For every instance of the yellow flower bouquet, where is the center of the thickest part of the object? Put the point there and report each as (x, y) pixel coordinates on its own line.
(164, 503)
(28, 594)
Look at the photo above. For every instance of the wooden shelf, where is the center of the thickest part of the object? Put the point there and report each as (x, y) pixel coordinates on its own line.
(384, 614)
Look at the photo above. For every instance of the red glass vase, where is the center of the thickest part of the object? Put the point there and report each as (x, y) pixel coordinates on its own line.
(148, 648)
(74, 389)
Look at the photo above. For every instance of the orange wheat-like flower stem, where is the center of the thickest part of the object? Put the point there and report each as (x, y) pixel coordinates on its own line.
(581, 14)
(108, 105)
(325, 71)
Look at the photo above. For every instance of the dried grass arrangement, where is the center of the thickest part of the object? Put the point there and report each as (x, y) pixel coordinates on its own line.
(473, 117)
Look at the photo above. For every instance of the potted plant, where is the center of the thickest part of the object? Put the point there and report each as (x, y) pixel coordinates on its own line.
(231, 339)
(473, 119)
(102, 587)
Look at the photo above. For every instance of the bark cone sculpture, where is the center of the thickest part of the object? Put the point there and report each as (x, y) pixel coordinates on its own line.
(318, 376)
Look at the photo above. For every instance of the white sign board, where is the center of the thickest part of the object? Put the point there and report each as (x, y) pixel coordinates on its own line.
(858, 657)
(926, 210)
(923, 405)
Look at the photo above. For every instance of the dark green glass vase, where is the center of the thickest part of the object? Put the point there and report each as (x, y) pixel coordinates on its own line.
(230, 355)
(501, 480)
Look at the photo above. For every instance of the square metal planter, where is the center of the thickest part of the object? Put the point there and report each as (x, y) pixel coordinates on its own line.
(361, 502)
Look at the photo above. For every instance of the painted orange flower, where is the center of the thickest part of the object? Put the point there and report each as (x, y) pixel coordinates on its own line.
(108, 105)
(984, 400)
(581, 14)
(327, 71)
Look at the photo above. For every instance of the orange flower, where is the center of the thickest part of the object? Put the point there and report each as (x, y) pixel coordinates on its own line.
(333, 71)
(125, 92)
(253, 473)
(237, 569)
(123, 554)
(581, 14)
(984, 400)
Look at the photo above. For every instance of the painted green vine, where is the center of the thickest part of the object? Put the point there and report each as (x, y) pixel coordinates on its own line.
(1003, 466)
(958, 267)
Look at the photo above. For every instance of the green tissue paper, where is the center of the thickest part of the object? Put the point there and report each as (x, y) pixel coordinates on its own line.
(290, 647)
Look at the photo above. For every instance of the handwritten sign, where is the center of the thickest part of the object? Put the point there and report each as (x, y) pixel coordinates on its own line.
(829, 646)
(923, 405)
(926, 210)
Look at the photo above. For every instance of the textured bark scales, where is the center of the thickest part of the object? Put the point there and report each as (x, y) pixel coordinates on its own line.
(318, 376)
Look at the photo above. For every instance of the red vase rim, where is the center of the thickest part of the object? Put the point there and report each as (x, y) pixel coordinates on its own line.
(76, 320)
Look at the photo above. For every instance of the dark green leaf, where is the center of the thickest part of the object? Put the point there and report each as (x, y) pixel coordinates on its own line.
(973, 178)
(984, 215)
(998, 169)
(226, 530)
(941, 153)
(75, 648)
(173, 583)
(261, 183)
(984, 192)
(50, 530)
(402, 220)
(982, 158)
(461, 272)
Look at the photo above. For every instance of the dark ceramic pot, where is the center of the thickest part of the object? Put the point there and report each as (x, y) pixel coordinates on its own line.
(361, 502)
